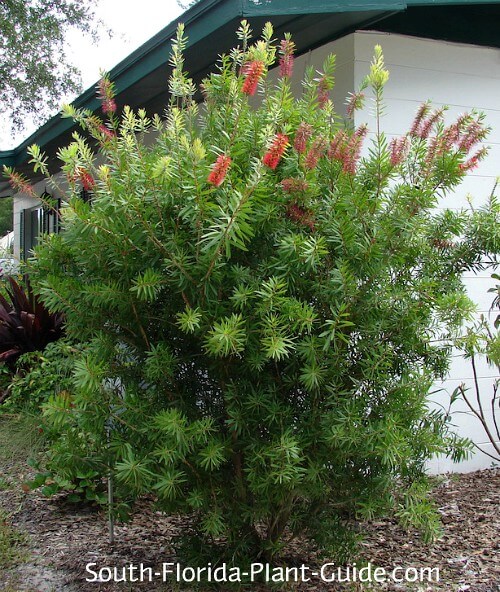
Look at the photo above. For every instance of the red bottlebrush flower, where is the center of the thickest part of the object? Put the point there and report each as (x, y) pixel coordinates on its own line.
(337, 146)
(323, 92)
(315, 153)
(421, 113)
(474, 133)
(353, 150)
(219, 170)
(106, 95)
(474, 161)
(443, 143)
(273, 156)
(398, 149)
(300, 214)
(287, 47)
(354, 103)
(450, 137)
(434, 150)
(108, 106)
(86, 179)
(106, 132)
(104, 87)
(294, 185)
(252, 71)
(20, 184)
(426, 126)
(302, 135)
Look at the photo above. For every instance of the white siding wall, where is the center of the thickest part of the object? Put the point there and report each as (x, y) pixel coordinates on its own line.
(462, 77)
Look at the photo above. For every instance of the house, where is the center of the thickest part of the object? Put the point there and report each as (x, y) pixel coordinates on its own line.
(443, 50)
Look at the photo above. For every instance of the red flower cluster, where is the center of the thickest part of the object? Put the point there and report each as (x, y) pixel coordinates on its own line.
(419, 117)
(474, 133)
(287, 48)
(86, 179)
(347, 152)
(108, 106)
(301, 215)
(106, 132)
(464, 134)
(315, 153)
(323, 92)
(439, 145)
(427, 125)
(291, 185)
(337, 146)
(273, 156)
(252, 71)
(219, 170)
(354, 103)
(353, 150)
(398, 149)
(473, 161)
(106, 96)
(20, 184)
(303, 133)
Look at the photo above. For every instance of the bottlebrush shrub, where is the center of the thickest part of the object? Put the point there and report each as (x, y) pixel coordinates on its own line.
(266, 307)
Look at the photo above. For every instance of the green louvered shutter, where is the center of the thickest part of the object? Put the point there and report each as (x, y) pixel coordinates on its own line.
(21, 234)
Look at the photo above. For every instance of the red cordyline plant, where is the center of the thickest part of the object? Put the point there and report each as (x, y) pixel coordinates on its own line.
(25, 323)
(279, 295)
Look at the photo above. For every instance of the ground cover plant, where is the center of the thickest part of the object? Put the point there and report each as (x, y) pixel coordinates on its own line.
(266, 297)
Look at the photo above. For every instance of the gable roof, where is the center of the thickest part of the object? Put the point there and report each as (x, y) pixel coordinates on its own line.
(141, 78)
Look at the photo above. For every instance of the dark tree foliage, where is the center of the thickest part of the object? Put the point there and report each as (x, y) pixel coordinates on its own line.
(6, 218)
(35, 71)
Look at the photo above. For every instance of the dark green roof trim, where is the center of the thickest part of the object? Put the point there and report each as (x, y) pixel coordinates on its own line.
(284, 7)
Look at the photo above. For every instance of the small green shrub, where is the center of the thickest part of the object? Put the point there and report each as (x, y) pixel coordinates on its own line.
(41, 375)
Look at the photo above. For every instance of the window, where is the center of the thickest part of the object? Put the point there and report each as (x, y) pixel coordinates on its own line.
(37, 221)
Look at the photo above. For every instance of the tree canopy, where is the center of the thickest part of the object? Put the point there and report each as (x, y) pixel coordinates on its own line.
(6, 221)
(35, 71)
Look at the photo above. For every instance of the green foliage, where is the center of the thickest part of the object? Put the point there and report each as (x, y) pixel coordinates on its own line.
(34, 69)
(39, 376)
(6, 216)
(265, 307)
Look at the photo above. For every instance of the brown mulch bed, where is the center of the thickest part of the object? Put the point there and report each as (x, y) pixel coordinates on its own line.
(64, 539)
